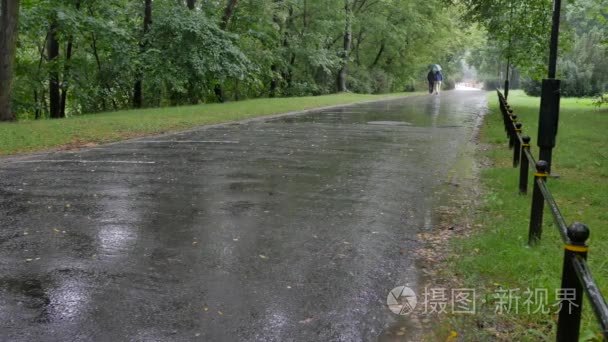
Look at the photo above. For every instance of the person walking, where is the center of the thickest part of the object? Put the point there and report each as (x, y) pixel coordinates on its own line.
(438, 80)
(431, 78)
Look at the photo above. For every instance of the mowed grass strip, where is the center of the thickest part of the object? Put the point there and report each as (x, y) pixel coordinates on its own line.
(496, 255)
(28, 136)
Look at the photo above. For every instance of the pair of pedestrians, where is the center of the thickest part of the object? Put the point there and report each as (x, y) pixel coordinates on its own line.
(435, 78)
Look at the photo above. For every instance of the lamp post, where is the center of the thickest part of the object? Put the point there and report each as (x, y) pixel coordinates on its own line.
(507, 78)
(509, 50)
(550, 96)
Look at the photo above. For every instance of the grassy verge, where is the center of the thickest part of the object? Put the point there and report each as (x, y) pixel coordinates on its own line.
(27, 136)
(495, 257)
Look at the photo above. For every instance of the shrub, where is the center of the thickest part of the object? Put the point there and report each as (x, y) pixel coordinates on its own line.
(491, 84)
(382, 82)
(531, 87)
(602, 100)
(359, 81)
(448, 84)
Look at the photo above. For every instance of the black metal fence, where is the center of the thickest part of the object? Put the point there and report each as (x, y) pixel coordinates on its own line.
(576, 276)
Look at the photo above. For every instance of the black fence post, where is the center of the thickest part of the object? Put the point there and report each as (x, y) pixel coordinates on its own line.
(504, 109)
(538, 205)
(508, 121)
(548, 119)
(524, 165)
(517, 145)
(571, 299)
(512, 134)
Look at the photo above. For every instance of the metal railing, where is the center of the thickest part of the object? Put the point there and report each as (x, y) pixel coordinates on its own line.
(576, 276)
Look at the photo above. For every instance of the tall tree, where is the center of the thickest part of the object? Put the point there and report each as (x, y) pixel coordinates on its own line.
(66, 69)
(138, 95)
(274, 68)
(228, 13)
(345, 53)
(9, 18)
(53, 57)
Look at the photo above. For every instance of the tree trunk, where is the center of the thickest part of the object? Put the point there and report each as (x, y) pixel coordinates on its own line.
(138, 96)
(66, 75)
(237, 89)
(274, 81)
(191, 4)
(66, 70)
(287, 72)
(378, 55)
(346, 47)
(219, 93)
(228, 13)
(37, 111)
(359, 40)
(9, 18)
(53, 57)
(100, 76)
(40, 105)
(274, 68)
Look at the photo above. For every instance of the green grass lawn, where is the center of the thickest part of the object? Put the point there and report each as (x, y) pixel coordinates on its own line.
(28, 136)
(496, 254)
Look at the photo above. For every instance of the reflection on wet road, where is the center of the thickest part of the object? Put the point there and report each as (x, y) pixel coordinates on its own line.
(287, 229)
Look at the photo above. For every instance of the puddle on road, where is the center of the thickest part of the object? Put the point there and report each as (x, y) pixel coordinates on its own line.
(389, 123)
(421, 111)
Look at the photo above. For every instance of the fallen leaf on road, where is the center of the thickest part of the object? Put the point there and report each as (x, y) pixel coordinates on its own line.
(263, 257)
(306, 321)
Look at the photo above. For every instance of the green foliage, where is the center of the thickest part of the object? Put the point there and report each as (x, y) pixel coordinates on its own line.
(518, 30)
(531, 87)
(375, 81)
(101, 68)
(601, 100)
(583, 69)
(188, 54)
(268, 47)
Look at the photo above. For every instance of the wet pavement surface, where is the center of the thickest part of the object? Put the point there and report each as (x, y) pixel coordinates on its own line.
(285, 229)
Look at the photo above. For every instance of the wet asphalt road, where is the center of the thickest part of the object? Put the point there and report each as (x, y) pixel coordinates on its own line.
(285, 229)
